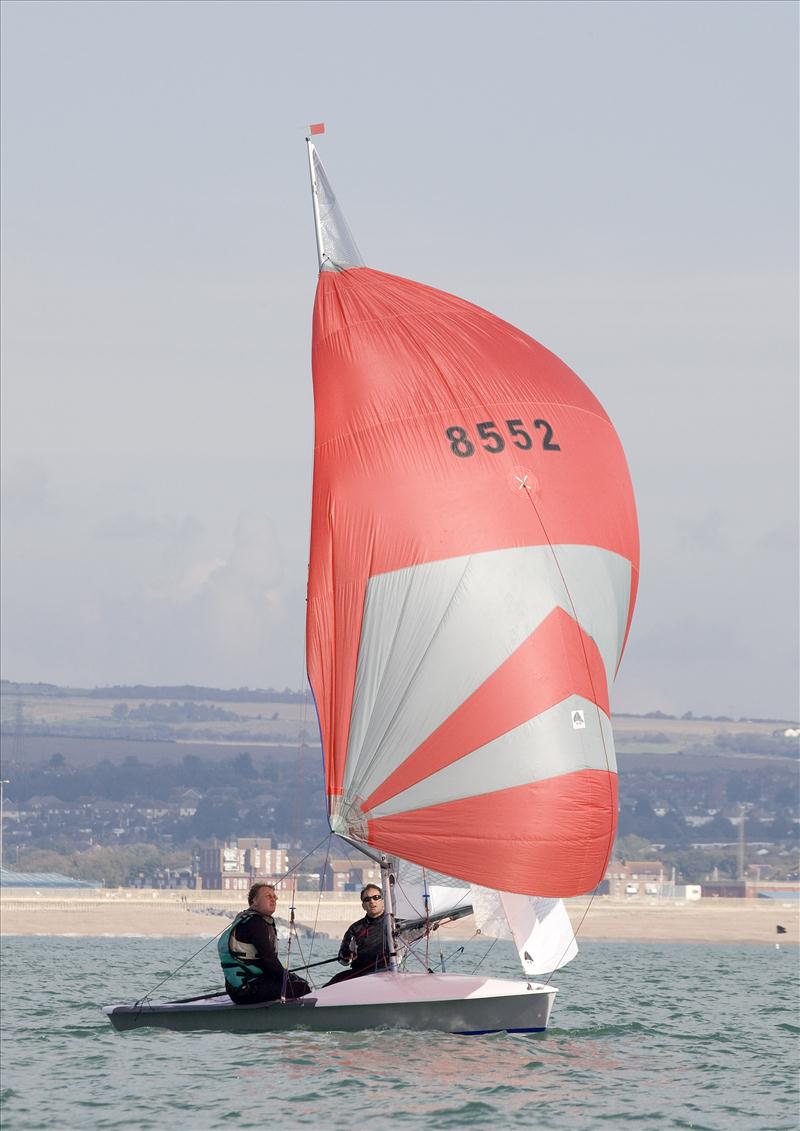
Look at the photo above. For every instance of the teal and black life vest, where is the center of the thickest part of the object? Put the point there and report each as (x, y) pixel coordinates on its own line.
(235, 956)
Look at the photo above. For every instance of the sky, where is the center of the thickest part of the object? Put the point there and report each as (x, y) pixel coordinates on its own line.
(617, 179)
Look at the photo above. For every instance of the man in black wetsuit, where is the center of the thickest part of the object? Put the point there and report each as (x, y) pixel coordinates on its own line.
(248, 952)
(364, 944)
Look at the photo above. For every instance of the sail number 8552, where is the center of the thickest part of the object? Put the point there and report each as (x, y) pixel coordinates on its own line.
(492, 439)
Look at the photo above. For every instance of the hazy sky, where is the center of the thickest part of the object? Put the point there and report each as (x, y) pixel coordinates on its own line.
(618, 179)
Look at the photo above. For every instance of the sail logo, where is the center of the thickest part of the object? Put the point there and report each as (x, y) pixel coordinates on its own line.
(578, 720)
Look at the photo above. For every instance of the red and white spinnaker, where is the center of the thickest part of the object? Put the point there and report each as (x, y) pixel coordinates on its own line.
(474, 563)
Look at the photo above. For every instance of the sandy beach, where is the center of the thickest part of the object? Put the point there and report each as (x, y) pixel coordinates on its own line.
(202, 915)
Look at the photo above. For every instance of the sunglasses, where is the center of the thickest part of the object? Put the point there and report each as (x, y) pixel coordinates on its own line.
(372, 899)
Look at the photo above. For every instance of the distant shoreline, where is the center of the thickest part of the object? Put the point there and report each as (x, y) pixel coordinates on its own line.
(124, 914)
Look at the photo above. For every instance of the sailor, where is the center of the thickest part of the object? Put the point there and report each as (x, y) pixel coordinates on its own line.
(248, 952)
(364, 946)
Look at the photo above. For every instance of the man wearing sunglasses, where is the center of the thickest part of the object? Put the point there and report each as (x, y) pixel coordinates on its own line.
(363, 947)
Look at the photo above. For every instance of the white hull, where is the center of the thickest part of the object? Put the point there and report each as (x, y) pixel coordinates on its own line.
(450, 1003)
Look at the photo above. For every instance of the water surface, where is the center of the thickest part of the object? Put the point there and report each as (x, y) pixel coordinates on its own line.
(656, 1035)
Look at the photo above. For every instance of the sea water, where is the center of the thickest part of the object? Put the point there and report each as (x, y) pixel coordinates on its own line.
(655, 1035)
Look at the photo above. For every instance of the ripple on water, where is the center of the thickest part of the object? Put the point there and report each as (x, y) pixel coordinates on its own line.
(706, 1042)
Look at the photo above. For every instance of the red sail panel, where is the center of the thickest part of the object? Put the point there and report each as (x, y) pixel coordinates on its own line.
(444, 433)
(526, 837)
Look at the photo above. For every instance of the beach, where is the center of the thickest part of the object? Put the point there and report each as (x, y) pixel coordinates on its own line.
(171, 914)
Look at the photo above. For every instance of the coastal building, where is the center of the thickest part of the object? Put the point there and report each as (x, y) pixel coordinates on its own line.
(39, 880)
(688, 891)
(634, 878)
(751, 889)
(724, 889)
(343, 875)
(235, 866)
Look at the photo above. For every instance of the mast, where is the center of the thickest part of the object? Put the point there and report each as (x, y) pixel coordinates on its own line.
(387, 883)
(336, 248)
(740, 853)
(315, 199)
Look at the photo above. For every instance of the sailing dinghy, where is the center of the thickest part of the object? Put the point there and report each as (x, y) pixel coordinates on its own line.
(473, 572)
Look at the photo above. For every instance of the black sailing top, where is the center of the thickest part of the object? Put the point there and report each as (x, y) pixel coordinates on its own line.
(365, 942)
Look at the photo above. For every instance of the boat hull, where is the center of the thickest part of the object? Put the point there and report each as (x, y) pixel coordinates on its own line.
(444, 1002)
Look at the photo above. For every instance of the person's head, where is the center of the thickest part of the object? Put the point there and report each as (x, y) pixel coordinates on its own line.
(372, 900)
(262, 898)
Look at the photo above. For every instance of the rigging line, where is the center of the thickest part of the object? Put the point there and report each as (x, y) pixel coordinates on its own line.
(405, 946)
(586, 663)
(301, 747)
(302, 860)
(459, 949)
(413, 954)
(399, 884)
(301, 741)
(439, 878)
(428, 929)
(292, 930)
(298, 940)
(410, 946)
(441, 955)
(186, 961)
(295, 934)
(319, 896)
(485, 954)
(575, 933)
(214, 938)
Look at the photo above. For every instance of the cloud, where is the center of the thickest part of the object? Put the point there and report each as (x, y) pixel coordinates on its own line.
(688, 639)
(190, 582)
(26, 489)
(709, 532)
(244, 594)
(128, 524)
(783, 539)
(230, 620)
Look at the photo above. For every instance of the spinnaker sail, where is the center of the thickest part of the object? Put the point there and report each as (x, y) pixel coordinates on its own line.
(474, 564)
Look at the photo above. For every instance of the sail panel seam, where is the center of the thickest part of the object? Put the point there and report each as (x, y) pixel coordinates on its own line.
(343, 437)
(403, 700)
(589, 785)
(570, 771)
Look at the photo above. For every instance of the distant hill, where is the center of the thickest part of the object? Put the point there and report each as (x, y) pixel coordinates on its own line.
(191, 692)
(141, 691)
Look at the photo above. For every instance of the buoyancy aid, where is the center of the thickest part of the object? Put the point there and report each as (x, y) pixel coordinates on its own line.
(236, 957)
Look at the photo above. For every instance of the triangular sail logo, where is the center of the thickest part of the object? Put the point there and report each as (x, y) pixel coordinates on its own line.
(578, 720)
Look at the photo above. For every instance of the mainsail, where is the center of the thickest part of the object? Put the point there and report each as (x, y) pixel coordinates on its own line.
(474, 563)
(539, 927)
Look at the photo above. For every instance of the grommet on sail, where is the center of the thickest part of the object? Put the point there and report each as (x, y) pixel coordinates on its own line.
(474, 563)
